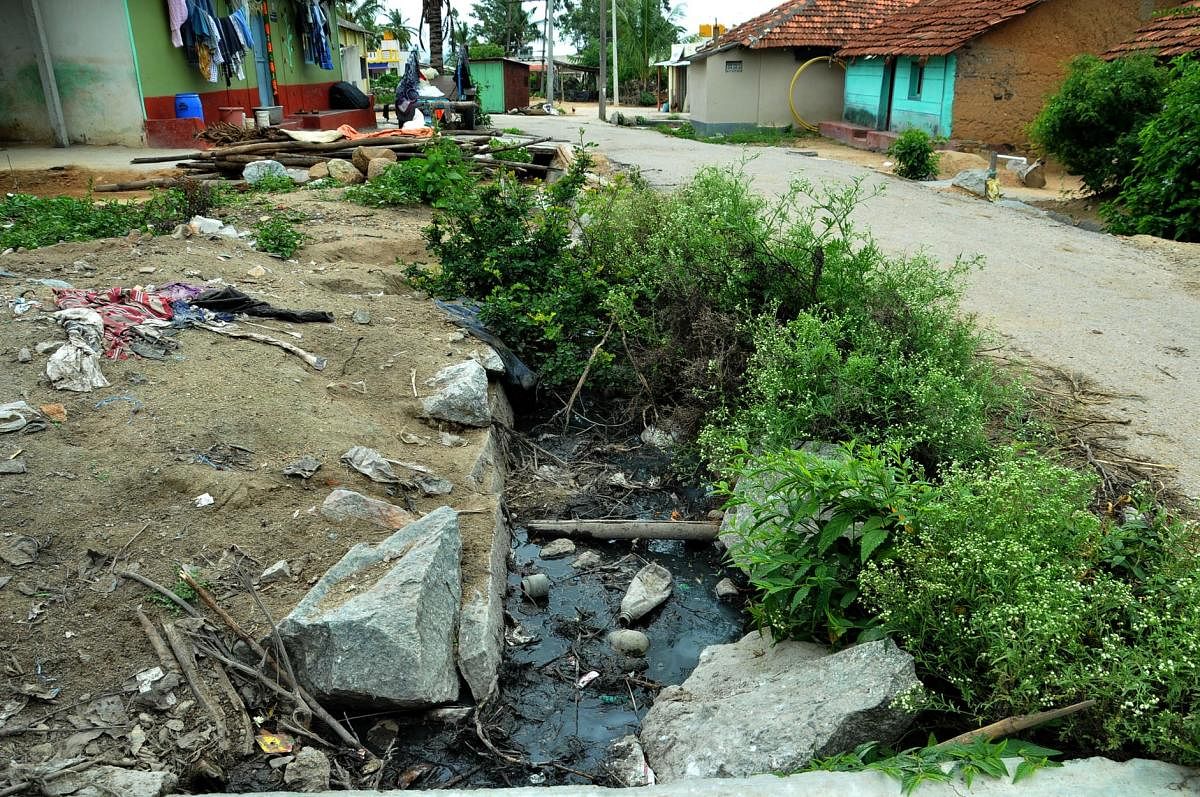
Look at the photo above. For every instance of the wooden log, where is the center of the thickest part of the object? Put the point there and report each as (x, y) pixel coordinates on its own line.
(630, 529)
(1011, 725)
(137, 185)
(169, 158)
(518, 145)
(514, 165)
(308, 146)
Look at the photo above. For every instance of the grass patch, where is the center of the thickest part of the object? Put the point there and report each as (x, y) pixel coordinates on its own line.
(277, 235)
(30, 222)
(761, 136)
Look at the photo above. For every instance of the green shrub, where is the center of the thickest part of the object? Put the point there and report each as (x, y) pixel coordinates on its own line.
(274, 184)
(880, 356)
(436, 178)
(277, 235)
(814, 519)
(1162, 194)
(511, 153)
(1017, 598)
(504, 243)
(646, 98)
(1091, 124)
(914, 155)
(32, 222)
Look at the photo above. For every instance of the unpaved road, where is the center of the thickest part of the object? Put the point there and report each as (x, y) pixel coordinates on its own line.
(1124, 313)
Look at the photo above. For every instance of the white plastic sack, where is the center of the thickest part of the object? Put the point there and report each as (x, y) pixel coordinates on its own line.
(76, 364)
(416, 123)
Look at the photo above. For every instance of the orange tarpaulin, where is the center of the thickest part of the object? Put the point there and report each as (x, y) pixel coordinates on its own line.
(353, 135)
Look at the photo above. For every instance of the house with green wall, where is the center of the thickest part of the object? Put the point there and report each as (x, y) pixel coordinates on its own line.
(976, 71)
(108, 71)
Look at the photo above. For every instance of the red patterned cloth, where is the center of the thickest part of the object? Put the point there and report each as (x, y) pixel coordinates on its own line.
(121, 308)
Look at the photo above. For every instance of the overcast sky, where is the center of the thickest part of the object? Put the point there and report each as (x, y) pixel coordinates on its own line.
(693, 12)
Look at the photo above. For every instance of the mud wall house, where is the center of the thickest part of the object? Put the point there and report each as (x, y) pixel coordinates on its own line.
(745, 77)
(114, 71)
(1175, 31)
(977, 71)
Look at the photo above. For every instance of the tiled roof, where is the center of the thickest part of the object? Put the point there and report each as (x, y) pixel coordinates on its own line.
(1176, 32)
(935, 27)
(809, 23)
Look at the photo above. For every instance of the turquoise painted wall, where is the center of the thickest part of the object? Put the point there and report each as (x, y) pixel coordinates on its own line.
(932, 110)
(488, 77)
(864, 98)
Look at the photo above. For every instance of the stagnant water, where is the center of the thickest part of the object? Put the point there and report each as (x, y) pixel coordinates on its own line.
(543, 727)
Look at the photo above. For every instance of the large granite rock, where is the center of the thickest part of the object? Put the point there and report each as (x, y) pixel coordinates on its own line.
(752, 707)
(460, 395)
(344, 172)
(379, 627)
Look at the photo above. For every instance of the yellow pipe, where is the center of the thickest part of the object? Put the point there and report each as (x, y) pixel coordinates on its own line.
(802, 123)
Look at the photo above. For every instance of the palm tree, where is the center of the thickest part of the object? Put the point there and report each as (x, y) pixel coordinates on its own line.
(365, 13)
(647, 34)
(431, 13)
(395, 23)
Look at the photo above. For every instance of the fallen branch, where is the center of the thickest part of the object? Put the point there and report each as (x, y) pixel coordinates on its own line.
(186, 657)
(583, 377)
(1011, 725)
(630, 529)
(281, 653)
(316, 362)
(165, 657)
(161, 590)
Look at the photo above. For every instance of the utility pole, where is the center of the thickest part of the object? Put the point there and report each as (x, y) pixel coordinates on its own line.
(550, 51)
(603, 83)
(616, 100)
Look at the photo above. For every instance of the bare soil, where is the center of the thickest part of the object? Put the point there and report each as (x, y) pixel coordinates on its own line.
(114, 485)
(77, 181)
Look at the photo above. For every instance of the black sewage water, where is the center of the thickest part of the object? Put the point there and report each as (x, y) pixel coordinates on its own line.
(565, 695)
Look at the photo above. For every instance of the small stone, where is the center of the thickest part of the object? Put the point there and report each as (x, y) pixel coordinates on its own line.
(309, 772)
(586, 560)
(451, 440)
(461, 395)
(47, 345)
(361, 316)
(456, 337)
(147, 270)
(346, 505)
(377, 166)
(275, 572)
(629, 642)
(558, 549)
(344, 172)
(727, 589)
(489, 359)
(318, 171)
(716, 515)
(450, 715)
(24, 356)
(281, 761)
(257, 271)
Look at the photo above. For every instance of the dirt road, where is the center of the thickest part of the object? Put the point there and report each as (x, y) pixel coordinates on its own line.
(1122, 313)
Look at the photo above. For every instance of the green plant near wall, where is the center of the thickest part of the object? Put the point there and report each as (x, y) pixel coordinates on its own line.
(943, 763)
(914, 155)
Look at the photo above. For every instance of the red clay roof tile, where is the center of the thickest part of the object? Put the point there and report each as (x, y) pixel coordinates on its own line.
(1176, 32)
(809, 23)
(935, 27)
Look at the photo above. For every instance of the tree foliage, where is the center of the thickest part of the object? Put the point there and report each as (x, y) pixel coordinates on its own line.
(1162, 195)
(646, 29)
(1091, 124)
(505, 23)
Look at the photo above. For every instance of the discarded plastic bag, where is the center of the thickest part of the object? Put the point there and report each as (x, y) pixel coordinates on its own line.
(15, 415)
(371, 464)
(650, 587)
(76, 364)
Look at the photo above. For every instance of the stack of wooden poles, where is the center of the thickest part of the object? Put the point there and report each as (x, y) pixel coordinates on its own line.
(225, 163)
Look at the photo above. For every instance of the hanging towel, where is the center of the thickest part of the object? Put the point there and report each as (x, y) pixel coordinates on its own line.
(177, 11)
